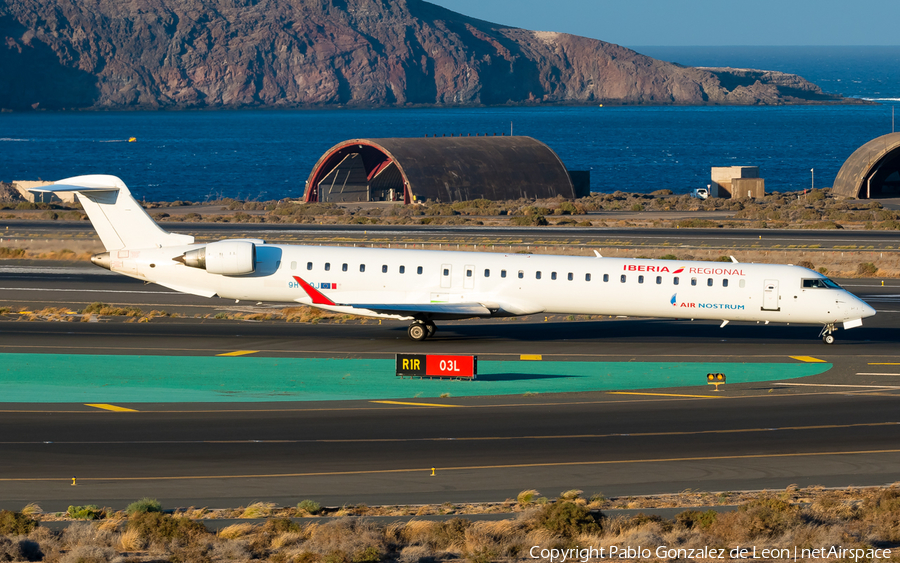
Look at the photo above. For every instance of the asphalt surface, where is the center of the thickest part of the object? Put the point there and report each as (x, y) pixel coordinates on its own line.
(839, 428)
(481, 235)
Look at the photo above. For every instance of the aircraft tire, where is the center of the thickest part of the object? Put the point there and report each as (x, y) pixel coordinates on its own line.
(828, 339)
(431, 328)
(417, 332)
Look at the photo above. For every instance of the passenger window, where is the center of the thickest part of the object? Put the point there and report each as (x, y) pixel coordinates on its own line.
(446, 271)
(502, 273)
(384, 269)
(640, 279)
(675, 280)
(725, 282)
(327, 266)
(419, 270)
(487, 273)
(658, 280)
(552, 275)
(537, 275)
(622, 279)
(693, 281)
(741, 283)
(709, 282)
(521, 274)
(468, 273)
(606, 277)
(293, 265)
(571, 276)
(402, 269)
(362, 267)
(344, 268)
(309, 265)
(587, 277)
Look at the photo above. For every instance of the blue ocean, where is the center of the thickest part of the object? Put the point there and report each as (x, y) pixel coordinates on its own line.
(202, 155)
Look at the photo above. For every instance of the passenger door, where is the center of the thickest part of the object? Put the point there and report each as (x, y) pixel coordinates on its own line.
(469, 280)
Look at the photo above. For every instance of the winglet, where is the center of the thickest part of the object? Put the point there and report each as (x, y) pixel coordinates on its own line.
(598, 254)
(317, 297)
(733, 259)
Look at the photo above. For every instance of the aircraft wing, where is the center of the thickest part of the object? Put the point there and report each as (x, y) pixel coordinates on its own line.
(463, 310)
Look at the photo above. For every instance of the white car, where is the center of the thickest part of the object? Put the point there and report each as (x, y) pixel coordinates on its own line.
(700, 193)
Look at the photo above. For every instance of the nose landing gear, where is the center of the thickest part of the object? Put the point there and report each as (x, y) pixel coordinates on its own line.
(420, 330)
(826, 334)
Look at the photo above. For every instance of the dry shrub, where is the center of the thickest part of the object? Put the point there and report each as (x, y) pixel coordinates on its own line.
(89, 554)
(416, 554)
(32, 509)
(16, 523)
(20, 549)
(131, 540)
(156, 527)
(447, 535)
(489, 540)
(762, 518)
(287, 539)
(258, 510)
(526, 497)
(882, 513)
(230, 550)
(829, 507)
(83, 533)
(236, 531)
(567, 519)
(352, 537)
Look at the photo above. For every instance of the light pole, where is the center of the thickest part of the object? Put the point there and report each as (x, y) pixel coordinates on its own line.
(812, 185)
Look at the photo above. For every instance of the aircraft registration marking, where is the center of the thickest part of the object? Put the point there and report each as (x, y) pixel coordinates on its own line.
(808, 359)
(239, 353)
(106, 407)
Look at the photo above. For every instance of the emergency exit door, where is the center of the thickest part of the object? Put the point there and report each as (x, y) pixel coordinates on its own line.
(770, 296)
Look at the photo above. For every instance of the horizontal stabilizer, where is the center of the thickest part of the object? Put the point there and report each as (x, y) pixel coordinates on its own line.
(118, 218)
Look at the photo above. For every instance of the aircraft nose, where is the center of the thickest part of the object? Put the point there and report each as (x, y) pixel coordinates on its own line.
(867, 310)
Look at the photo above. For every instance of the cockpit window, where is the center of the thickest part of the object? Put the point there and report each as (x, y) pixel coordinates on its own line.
(820, 283)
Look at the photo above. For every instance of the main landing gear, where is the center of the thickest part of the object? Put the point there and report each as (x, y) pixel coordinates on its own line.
(420, 330)
(826, 335)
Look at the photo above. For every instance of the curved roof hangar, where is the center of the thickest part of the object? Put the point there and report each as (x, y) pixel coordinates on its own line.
(438, 168)
(872, 171)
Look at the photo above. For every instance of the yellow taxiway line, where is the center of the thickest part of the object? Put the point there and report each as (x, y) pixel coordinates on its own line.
(809, 359)
(412, 404)
(106, 407)
(662, 394)
(460, 468)
(239, 353)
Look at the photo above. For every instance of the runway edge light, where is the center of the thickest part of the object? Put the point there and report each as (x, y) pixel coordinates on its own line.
(715, 379)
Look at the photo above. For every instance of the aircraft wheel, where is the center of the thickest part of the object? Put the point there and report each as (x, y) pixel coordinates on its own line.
(828, 339)
(431, 328)
(417, 332)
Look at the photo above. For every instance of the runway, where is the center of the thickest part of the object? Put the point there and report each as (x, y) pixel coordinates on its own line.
(836, 428)
(486, 236)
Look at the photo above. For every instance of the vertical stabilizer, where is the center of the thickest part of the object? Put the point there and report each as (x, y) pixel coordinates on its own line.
(118, 218)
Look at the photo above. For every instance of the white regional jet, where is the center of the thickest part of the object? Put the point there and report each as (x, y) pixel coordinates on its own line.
(424, 285)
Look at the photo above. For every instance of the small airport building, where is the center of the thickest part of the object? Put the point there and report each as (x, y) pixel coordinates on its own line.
(444, 169)
(872, 171)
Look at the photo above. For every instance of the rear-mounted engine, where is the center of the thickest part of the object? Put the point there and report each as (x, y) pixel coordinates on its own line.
(228, 258)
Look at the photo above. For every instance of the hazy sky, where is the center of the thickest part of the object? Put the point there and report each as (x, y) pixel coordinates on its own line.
(700, 22)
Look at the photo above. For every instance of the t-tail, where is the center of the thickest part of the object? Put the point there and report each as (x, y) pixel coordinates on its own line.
(118, 218)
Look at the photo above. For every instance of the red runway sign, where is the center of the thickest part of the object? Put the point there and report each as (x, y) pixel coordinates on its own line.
(428, 365)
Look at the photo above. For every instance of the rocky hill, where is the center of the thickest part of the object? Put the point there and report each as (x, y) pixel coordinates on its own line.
(144, 54)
